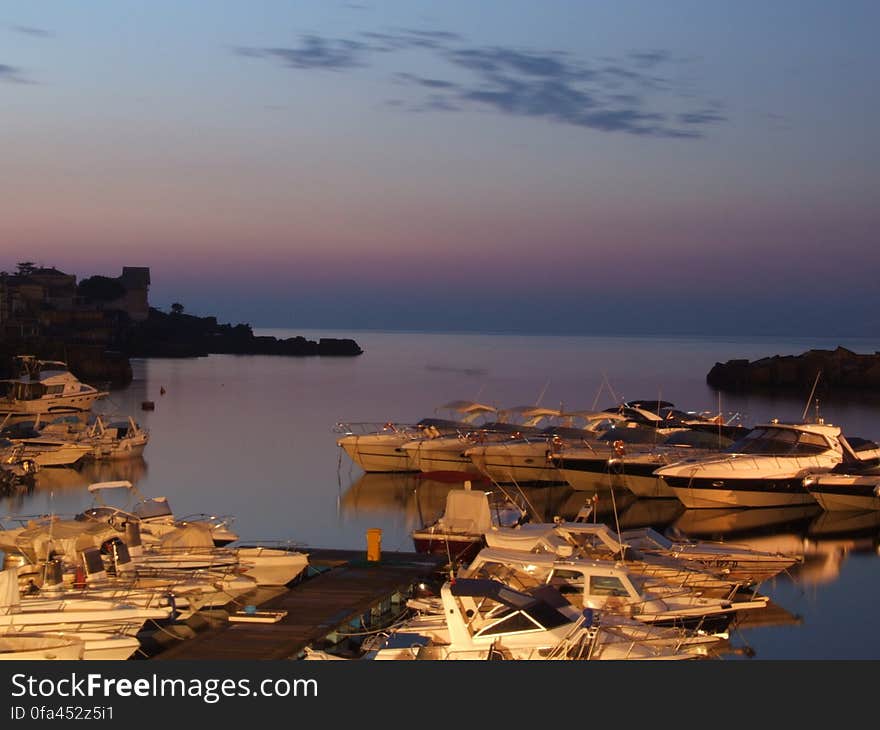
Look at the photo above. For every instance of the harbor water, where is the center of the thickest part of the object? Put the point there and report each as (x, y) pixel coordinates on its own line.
(252, 437)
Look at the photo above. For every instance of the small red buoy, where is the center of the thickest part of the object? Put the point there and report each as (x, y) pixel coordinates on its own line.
(148, 405)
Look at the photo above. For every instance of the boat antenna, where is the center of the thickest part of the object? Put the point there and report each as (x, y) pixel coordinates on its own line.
(598, 393)
(807, 406)
(543, 390)
(606, 384)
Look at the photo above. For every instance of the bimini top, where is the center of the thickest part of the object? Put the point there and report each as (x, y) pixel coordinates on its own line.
(470, 410)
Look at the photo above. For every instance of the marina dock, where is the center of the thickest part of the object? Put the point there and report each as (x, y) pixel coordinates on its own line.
(347, 596)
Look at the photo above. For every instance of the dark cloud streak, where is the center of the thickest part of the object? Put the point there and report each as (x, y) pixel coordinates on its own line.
(12, 74)
(314, 52)
(618, 95)
(31, 31)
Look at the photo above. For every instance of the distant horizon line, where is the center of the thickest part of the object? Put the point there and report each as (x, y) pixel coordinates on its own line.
(528, 333)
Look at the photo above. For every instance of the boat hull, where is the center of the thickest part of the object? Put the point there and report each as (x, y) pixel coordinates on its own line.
(455, 547)
(846, 494)
(374, 455)
(517, 464)
(600, 473)
(78, 403)
(708, 493)
(430, 457)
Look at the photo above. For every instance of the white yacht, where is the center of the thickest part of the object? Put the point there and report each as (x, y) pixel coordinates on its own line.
(45, 386)
(381, 449)
(452, 453)
(36, 614)
(45, 451)
(108, 440)
(152, 514)
(41, 646)
(486, 619)
(527, 460)
(765, 468)
(613, 587)
(624, 460)
(845, 492)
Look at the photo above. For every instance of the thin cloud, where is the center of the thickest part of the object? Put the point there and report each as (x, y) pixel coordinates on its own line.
(12, 74)
(31, 31)
(314, 52)
(631, 94)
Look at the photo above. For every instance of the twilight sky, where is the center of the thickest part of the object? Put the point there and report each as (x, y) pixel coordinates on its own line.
(556, 166)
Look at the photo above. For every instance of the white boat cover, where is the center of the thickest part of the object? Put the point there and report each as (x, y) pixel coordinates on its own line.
(65, 537)
(193, 535)
(10, 599)
(466, 511)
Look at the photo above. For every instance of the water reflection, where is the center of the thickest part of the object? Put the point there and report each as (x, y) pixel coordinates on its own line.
(65, 489)
(79, 478)
(822, 539)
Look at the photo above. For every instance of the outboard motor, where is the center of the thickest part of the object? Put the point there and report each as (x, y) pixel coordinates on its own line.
(53, 576)
(122, 559)
(94, 566)
(133, 539)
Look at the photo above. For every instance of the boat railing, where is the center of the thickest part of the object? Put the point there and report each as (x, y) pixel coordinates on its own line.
(289, 545)
(42, 519)
(367, 428)
(202, 518)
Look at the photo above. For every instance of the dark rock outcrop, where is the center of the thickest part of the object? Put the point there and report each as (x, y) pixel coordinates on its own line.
(184, 335)
(840, 369)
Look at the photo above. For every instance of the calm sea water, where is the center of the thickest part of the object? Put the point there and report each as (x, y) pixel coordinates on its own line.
(252, 437)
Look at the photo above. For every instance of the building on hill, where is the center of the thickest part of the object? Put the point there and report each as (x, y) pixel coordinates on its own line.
(135, 302)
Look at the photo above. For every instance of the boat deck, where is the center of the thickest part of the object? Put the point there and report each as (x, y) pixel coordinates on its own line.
(335, 600)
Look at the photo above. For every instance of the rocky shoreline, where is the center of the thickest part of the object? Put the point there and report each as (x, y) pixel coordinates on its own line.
(838, 369)
(163, 335)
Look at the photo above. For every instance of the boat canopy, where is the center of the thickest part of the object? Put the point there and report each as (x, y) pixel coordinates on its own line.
(192, 535)
(471, 410)
(536, 608)
(120, 484)
(10, 599)
(466, 511)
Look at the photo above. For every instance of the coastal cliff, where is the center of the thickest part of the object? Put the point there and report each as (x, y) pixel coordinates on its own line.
(97, 324)
(840, 369)
(184, 335)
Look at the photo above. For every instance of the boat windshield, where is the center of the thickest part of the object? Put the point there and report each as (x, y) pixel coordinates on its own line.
(772, 441)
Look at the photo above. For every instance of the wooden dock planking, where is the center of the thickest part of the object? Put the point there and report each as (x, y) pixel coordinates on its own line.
(315, 608)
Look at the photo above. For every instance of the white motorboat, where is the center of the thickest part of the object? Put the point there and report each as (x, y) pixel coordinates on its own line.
(24, 443)
(451, 453)
(712, 568)
(611, 586)
(108, 440)
(527, 460)
(845, 492)
(623, 459)
(23, 647)
(485, 619)
(152, 514)
(458, 532)
(45, 386)
(103, 646)
(192, 548)
(87, 577)
(765, 468)
(382, 449)
(35, 614)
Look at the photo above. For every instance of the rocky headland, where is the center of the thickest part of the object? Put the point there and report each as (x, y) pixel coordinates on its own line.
(97, 324)
(838, 369)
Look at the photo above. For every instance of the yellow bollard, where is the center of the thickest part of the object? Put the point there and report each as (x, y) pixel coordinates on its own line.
(374, 544)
